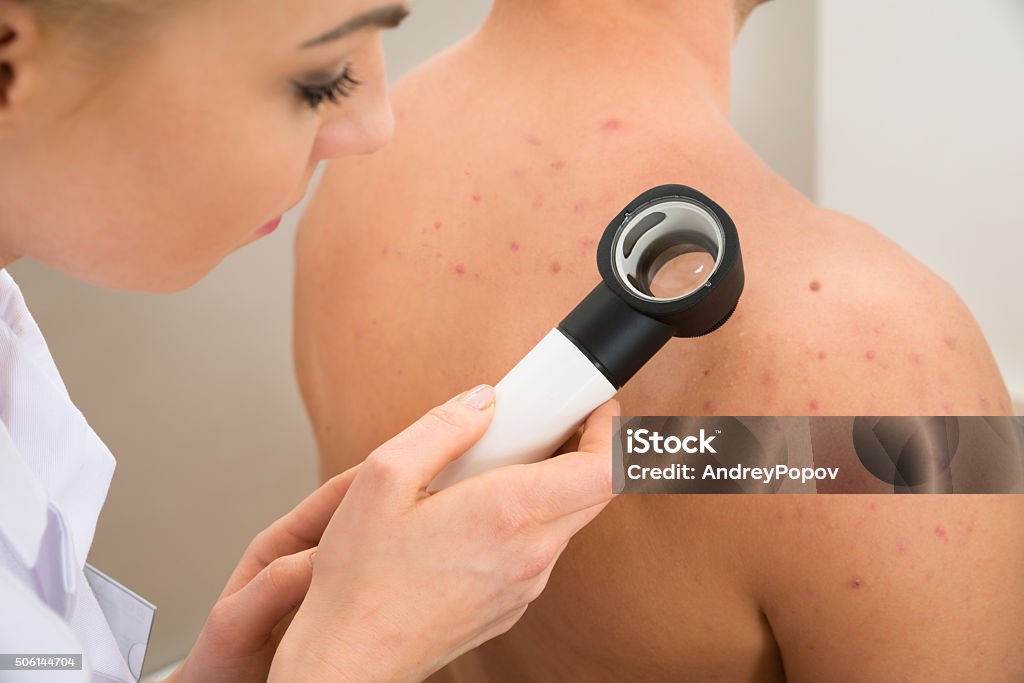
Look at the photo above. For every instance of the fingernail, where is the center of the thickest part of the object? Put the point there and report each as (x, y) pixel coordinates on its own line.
(479, 397)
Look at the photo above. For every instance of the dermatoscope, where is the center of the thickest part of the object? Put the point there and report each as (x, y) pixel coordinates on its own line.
(670, 266)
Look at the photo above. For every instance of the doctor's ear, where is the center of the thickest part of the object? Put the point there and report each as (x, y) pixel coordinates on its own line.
(19, 39)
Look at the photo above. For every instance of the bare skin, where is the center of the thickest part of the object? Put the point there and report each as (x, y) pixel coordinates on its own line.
(443, 259)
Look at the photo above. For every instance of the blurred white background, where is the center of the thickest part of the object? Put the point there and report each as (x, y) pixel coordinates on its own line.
(907, 115)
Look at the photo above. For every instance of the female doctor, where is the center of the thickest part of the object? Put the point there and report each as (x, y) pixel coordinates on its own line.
(141, 142)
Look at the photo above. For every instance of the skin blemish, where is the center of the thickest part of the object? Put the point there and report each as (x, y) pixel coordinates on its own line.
(437, 254)
(476, 276)
(872, 507)
(517, 173)
(437, 225)
(586, 245)
(870, 355)
(710, 405)
(580, 206)
(815, 404)
(476, 197)
(533, 140)
(822, 355)
(460, 269)
(538, 201)
(857, 583)
(947, 407)
(556, 267)
(983, 401)
(384, 252)
(815, 286)
(901, 548)
(611, 125)
(940, 532)
(950, 343)
(706, 372)
(916, 358)
(767, 378)
(514, 246)
(558, 165)
(877, 331)
(468, 173)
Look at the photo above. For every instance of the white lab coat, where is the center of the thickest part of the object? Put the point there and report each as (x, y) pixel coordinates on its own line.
(54, 476)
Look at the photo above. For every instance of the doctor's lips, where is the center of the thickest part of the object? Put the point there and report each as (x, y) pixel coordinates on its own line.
(269, 227)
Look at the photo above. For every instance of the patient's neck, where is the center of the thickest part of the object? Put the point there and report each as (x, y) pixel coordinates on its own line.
(683, 44)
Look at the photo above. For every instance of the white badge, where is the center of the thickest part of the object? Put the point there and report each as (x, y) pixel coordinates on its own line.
(130, 617)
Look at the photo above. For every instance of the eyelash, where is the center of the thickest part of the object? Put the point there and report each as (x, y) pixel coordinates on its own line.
(333, 92)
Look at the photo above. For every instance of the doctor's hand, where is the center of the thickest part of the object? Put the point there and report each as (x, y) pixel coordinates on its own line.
(241, 634)
(405, 581)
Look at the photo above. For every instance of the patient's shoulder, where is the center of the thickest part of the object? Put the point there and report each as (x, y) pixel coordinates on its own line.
(857, 325)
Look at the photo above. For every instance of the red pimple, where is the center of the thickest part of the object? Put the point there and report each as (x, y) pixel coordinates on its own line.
(467, 173)
(517, 173)
(947, 407)
(476, 197)
(538, 201)
(950, 343)
(579, 206)
(915, 358)
(815, 285)
(460, 269)
(870, 355)
(815, 404)
(514, 246)
(611, 125)
(558, 165)
(710, 405)
(556, 267)
(767, 378)
(901, 549)
(533, 140)
(822, 355)
(857, 583)
(940, 531)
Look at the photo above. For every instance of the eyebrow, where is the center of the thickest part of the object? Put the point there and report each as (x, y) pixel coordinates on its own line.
(388, 16)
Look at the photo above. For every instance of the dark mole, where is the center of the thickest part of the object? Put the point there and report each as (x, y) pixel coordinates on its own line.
(556, 267)
(870, 355)
(514, 246)
(476, 196)
(815, 285)
(707, 372)
(611, 125)
(460, 269)
(558, 165)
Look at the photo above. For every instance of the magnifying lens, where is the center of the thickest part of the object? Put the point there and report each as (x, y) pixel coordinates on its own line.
(670, 266)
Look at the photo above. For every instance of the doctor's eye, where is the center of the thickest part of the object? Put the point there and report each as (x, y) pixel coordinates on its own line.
(315, 94)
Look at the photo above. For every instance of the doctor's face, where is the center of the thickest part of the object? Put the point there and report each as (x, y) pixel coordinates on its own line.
(143, 166)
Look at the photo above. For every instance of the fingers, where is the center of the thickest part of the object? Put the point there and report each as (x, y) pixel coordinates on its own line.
(246, 617)
(296, 531)
(597, 430)
(419, 453)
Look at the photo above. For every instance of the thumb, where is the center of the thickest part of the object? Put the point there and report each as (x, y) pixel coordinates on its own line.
(446, 432)
(248, 616)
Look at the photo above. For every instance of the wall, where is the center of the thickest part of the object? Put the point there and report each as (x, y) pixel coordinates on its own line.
(919, 131)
